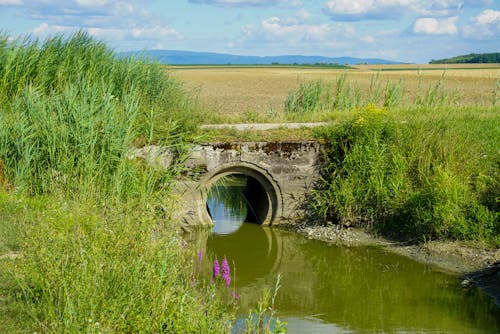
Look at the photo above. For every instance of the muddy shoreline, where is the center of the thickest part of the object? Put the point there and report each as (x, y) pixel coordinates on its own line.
(477, 266)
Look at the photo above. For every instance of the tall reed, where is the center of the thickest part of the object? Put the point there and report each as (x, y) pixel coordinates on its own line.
(342, 95)
(100, 253)
(71, 110)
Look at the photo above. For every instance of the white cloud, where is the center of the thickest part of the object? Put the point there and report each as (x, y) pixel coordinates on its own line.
(92, 3)
(488, 16)
(149, 33)
(11, 2)
(155, 32)
(351, 10)
(368, 39)
(277, 28)
(433, 26)
(248, 3)
(485, 25)
(304, 15)
(279, 33)
(111, 20)
(45, 29)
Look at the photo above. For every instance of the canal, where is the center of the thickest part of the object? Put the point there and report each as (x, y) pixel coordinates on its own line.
(325, 288)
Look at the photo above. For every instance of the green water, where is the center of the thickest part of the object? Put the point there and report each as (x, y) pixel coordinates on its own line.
(331, 289)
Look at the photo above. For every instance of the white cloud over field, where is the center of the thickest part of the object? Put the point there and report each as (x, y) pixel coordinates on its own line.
(485, 25)
(353, 10)
(434, 26)
(248, 3)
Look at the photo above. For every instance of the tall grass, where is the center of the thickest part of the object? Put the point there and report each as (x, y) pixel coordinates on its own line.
(330, 97)
(427, 177)
(70, 111)
(94, 269)
(98, 252)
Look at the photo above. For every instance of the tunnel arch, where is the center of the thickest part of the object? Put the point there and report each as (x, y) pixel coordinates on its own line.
(263, 192)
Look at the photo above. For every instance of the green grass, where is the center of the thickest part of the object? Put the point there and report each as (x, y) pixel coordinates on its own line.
(433, 174)
(94, 269)
(319, 100)
(95, 248)
(70, 111)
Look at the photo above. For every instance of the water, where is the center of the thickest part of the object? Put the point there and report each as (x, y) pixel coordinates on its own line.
(332, 289)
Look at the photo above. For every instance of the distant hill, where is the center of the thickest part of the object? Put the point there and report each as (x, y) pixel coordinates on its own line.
(208, 58)
(472, 58)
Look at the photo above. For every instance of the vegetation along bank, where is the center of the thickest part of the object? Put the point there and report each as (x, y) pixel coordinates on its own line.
(86, 240)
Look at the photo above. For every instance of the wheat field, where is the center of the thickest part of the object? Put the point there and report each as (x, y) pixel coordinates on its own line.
(235, 94)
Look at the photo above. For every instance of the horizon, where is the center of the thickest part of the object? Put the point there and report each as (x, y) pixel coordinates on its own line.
(259, 56)
(407, 31)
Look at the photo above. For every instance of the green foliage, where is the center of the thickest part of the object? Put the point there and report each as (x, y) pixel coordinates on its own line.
(70, 111)
(85, 228)
(262, 319)
(308, 98)
(470, 59)
(416, 179)
(88, 269)
(436, 96)
(324, 98)
(316, 96)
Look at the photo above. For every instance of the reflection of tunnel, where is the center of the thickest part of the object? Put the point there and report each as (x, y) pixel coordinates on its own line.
(262, 193)
(255, 252)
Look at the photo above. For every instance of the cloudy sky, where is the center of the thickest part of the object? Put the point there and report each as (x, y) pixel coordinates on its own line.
(403, 30)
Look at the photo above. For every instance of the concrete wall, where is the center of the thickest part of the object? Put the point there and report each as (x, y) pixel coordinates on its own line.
(285, 170)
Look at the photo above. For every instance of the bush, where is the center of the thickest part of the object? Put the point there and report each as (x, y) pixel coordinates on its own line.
(97, 250)
(416, 179)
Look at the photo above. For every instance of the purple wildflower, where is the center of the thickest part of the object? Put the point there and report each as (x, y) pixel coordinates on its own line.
(200, 256)
(216, 269)
(226, 272)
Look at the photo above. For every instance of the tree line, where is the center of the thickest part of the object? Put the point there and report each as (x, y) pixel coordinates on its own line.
(472, 58)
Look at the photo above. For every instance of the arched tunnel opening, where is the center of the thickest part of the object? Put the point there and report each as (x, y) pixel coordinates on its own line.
(238, 196)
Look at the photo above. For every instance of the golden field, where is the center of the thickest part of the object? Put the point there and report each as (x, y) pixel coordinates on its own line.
(251, 94)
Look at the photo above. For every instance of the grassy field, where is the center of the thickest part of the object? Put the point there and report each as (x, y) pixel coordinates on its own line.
(232, 95)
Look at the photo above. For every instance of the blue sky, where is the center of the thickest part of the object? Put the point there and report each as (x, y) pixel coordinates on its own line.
(405, 30)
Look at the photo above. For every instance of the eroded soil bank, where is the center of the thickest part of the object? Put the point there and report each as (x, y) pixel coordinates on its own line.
(478, 266)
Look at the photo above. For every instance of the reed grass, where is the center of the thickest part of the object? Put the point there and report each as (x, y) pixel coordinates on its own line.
(318, 96)
(95, 248)
(71, 111)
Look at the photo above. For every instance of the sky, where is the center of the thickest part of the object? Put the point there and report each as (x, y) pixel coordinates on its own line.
(413, 31)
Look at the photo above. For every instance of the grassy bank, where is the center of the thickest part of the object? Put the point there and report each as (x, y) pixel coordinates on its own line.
(86, 241)
(432, 174)
(85, 268)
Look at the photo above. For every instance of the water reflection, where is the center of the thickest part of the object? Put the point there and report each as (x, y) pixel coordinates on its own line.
(227, 205)
(331, 289)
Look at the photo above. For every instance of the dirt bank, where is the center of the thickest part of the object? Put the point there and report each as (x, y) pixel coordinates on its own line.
(479, 266)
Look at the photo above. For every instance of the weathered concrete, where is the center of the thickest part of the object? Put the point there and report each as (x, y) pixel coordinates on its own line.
(282, 174)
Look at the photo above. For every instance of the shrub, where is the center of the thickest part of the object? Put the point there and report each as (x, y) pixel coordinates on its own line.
(415, 179)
